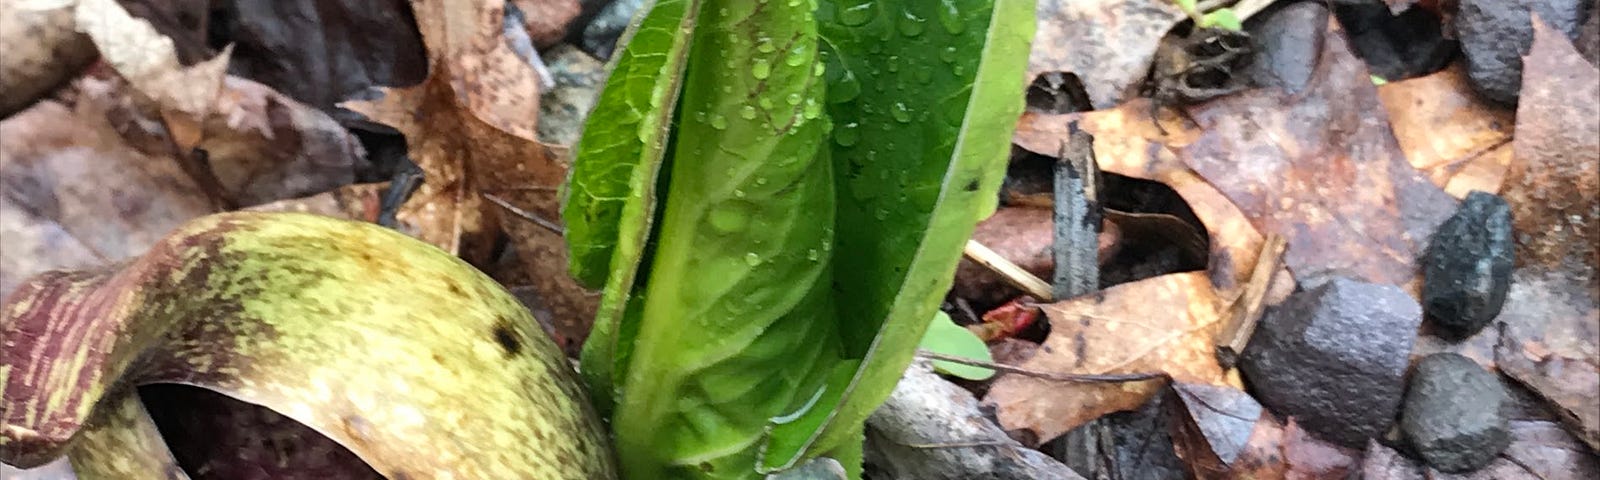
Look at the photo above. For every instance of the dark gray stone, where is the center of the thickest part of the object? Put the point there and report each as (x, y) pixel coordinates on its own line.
(1453, 415)
(1467, 268)
(1496, 33)
(601, 35)
(1334, 357)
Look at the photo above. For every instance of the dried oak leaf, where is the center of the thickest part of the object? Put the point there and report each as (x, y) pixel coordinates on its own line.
(1164, 324)
(471, 128)
(1461, 141)
(76, 194)
(1323, 169)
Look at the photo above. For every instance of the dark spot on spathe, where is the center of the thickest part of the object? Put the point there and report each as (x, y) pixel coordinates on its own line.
(972, 186)
(507, 338)
(455, 288)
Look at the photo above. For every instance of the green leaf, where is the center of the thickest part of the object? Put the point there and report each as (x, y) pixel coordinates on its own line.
(924, 97)
(945, 337)
(1185, 5)
(609, 201)
(736, 324)
(1224, 18)
(1377, 80)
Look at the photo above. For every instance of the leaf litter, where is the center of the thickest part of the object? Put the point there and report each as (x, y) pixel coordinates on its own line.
(1355, 176)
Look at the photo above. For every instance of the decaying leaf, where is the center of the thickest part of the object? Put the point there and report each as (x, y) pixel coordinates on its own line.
(148, 60)
(401, 353)
(1551, 339)
(1127, 142)
(43, 51)
(359, 202)
(1165, 324)
(1322, 168)
(77, 194)
(1553, 187)
(1460, 140)
(1108, 44)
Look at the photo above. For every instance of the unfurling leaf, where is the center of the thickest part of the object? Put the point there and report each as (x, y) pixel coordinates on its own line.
(405, 355)
(818, 170)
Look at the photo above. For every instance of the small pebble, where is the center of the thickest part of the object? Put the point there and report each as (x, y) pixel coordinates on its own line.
(1467, 268)
(1453, 414)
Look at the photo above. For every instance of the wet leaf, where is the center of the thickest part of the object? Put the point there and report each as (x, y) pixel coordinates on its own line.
(1213, 426)
(1551, 339)
(1127, 142)
(318, 319)
(1164, 324)
(1322, 168)
(1553, 188)
(1460, 140)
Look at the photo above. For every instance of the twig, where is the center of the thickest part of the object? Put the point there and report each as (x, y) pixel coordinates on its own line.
(524, 214)
(1245, 313)
(1076, 217)
(1059, 377)
(1008, 271)
(989, 443)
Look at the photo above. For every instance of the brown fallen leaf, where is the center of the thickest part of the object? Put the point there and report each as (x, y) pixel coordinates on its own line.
(1553, 186)
(263, 146)
(79, 194)
(547, 20)
(1212, 427)
(1461, 141)
(1321, 168)
(359, 202)
(1164, 324)
(1128, 143)
(471, 127)
(362, 44)
(43, 51)
(149, 61)
(1107, 43)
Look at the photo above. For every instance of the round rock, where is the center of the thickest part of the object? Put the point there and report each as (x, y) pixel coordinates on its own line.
(1453, 415)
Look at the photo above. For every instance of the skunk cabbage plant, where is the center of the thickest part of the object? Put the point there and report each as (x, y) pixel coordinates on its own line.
(773, 195)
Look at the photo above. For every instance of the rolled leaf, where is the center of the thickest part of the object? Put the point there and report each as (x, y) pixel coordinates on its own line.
(735, 323)
(609, 202)
(405, 355)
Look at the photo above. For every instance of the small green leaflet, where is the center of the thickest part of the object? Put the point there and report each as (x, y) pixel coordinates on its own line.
(945, 337)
